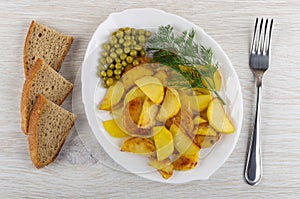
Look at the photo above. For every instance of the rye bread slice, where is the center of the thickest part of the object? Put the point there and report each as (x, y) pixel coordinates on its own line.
(47, 44)
(48, 129)
(42, 79)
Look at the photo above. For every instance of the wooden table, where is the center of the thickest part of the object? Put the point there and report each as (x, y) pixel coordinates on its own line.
(77, 174)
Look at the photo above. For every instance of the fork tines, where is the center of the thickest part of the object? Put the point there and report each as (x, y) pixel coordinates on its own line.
(261, 41)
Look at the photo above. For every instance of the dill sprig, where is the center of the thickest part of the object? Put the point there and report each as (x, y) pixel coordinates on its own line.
(180, 52)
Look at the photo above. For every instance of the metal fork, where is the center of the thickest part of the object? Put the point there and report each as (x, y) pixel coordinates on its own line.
(259, 62)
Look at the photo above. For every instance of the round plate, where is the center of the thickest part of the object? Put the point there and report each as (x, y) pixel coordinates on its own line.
(93, 92)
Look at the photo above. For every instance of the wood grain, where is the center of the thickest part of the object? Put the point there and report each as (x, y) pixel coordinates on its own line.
(78, 174)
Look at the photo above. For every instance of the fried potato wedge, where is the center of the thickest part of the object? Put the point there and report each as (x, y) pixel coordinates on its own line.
(152, 87)
(182, 143)
(163, 141)
(199, 120)
(148, 114)
(131, 115)
(164, 167)
(186, 162)
(205, 129)
(203, 141)
(199, 102)
(113, 129)
(133, 93)
(170, 106)
(142, 146)
(218, 118)
(130, 76)
(113, 96)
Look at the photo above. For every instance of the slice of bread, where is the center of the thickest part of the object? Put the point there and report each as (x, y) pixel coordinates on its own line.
(47, 44)
(48, 129)
(44, 80)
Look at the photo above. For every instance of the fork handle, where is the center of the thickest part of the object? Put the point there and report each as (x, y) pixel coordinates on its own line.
(253, 167)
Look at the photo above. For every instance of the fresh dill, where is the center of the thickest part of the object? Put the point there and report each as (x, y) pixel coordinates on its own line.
(180, 52)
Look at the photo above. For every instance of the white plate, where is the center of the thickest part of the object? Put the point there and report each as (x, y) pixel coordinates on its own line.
(93, 92)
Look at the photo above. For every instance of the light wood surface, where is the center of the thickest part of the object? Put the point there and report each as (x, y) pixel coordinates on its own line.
(77, 174)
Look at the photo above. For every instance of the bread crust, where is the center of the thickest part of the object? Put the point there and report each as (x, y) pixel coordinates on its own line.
(60, 59)
(25, 94)
(32, 133)
(25, 44)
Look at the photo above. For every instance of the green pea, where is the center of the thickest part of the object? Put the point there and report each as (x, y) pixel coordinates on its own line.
(127, 30)
(122, 69)
(104, 54)
(118, 65)
(103, 73)
(142, 53)
(99, 74)
(121, 41)
(104, 78)
(129, 59)
(124, 63)
(119, 34)
(117, 72)
(111, 66)
(133, 31)
(133, 53)
(138, 47)
(109, 81)
(113, 55)
(118, 60)
(109, 60)
(103, 61)
(106, 46)
(112, 50)
(109, 73)
(121, 29)
(127, 37)
(101, 67)
(119, 51)
(127, 50)
(105, 85)
(118, 77)
(141, 31)
(123, 56)
(133, 43)
(117, 46)
(127, 43)
(113, 40)
(147, 33)
(141, 38)
(135, 62)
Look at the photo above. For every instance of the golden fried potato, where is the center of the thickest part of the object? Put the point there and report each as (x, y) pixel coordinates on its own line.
(148, 114)
(130, 76)
(183, 144)
(163, 141)
(186, 162)
(203, 141)
(142, 146)
(112, 97)
(113, 129)
(152, 87)
(199, 120)
(205, 129)
(170, 106)
(131, 115)
(164, 167)
(133, 93)
(217, 117)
